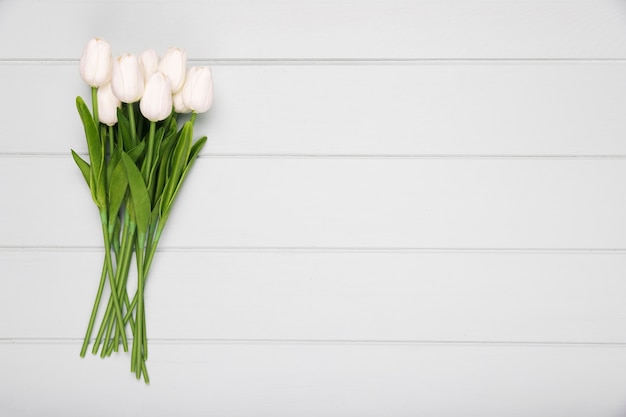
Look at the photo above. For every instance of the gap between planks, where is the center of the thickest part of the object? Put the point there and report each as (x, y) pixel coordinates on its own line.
(346, 156)
(342, 61)
(341, 342)
(336, 249)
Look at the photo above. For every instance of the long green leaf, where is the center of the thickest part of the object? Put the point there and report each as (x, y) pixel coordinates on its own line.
(96, 154)
(123, 130)
(181, 151)
(196, 148)
(117, 189)
(156, 159)
(168, 141)
(162, 174)
(195, 151)
(139, 192)
(137, 152)
(101, 191)
(178, 162)
(84, 167)
(112, 164)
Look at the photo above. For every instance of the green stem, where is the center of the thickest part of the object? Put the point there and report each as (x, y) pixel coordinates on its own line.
(94, 105)
(154, 245)
(108, 321)
(94, 311)
(130, 241)
(150, 251)
(111, 140)
(109, 262)
(144, 334)
(104, 325)
(121, 276)
(193, 117)
(147, 165)
(137, 358)
(128, 236)
(131, 118)
(144, 371)
(110, 349)
(107, 346)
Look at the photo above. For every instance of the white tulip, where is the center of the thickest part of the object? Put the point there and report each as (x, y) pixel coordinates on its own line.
(198, 89)
(179, 103)
(95, 63)
(127, 78)
(149, 61)
(156, 103)
(108, 104)
(174, 65)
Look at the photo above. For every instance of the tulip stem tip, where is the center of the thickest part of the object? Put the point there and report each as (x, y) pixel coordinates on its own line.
(94, 105)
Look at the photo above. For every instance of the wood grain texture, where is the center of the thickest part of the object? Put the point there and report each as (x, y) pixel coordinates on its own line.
(405, 208)
(349, 203)
(321, 295)
(316, 29)
(321, 379)
(425, 109)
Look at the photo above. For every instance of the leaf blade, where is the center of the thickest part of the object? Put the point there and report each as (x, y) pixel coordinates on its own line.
(84, 167)
(139, 193)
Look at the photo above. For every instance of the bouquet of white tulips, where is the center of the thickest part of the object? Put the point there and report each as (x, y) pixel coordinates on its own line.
(139, 157)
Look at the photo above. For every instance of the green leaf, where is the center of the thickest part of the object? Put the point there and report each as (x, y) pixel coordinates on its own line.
(167, 147)
(195, 151)
(117, 189)
(178, 162)
(154, 218)
(172, 125)
(156, 159)
(115, 235)
(101, 190)
(96, 154)
(123, 129)
(139, 193)
(181, 151)
(158, 139)
(169, 141)
(137, 152)
(82, 165)
(112, 163)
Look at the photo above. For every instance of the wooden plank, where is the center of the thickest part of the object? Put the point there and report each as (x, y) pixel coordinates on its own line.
(383, 296)
(441, 109)
(318, 379)
(347, 202)
(314, 29)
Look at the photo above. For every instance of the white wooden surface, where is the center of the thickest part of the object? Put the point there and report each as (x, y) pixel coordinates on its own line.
(404, 208)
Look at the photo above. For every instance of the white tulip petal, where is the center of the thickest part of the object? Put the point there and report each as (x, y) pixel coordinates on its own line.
(179, 103)
(95, 63)
(108, 104)
(198, 89)
(127, 78)
(149, 61)
(174, 65)
(156, 103)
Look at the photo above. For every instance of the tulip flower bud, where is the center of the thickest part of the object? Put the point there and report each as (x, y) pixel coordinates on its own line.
(198, 89)
(149, 61)
(156, 103)
(107, 105)
(179, 103)
(174, 65)
(95, 63)
(127, 78)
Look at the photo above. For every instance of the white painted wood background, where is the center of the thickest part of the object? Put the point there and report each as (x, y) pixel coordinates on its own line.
(405, 208)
